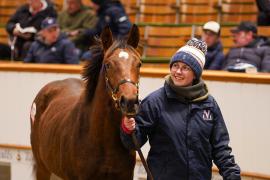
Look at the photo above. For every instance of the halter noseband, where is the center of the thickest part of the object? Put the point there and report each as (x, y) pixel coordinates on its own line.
(114, 90)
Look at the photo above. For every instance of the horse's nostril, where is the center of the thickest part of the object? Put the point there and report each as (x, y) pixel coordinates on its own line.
(129, 105)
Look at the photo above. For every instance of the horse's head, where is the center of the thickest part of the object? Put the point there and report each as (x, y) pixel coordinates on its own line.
(121, 66)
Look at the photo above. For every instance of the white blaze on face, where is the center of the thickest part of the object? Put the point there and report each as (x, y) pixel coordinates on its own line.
(123, 54)
(33, 112)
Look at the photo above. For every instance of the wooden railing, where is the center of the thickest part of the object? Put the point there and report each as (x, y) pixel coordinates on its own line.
(147, 70)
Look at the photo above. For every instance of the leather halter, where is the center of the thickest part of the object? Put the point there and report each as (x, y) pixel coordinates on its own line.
(114, 90)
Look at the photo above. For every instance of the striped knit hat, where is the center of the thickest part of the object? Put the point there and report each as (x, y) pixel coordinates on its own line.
(192, 54)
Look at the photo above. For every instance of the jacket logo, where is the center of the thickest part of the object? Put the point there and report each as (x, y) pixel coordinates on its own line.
(207, 115)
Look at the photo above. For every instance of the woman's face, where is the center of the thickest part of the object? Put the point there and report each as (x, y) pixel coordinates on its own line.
(182, 74)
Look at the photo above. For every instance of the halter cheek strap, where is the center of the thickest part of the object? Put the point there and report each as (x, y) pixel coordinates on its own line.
(114, 90)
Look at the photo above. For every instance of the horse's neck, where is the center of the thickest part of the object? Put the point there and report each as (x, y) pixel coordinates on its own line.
(104, 119)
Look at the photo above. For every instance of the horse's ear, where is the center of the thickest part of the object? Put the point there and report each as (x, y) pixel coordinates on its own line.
(133, 36)
(106, 38)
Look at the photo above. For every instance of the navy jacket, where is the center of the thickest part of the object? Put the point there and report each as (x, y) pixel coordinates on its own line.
(214, 57)
(62, 51)
(112, 14)
(184, 138)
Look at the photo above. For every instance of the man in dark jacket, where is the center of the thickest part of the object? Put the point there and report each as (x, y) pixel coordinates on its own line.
(214, 55)
(51, 46)
(250, 51)
(28, 16)
(111, 13)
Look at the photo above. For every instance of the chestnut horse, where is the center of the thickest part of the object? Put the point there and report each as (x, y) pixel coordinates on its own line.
(75, 124)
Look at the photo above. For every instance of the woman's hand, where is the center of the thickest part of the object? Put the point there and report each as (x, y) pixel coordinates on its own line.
(128, 124)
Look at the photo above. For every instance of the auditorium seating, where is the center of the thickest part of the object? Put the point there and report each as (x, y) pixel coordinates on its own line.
(157, 14)
(167, 25)
(197, 13)
(191, 11)
(3, 35)
(163, 42)
(236, 11)
(7, 8)
(264, 31)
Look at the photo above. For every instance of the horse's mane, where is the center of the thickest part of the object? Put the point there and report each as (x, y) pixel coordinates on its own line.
(92, 68)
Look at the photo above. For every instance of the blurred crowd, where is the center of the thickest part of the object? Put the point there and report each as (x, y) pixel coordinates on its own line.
(38, 33)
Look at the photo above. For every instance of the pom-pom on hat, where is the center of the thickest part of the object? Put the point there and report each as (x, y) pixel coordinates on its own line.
(192, 54)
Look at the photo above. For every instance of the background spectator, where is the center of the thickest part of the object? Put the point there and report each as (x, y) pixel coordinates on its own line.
(264, 12)
(250, 50)
(29, 16)
(75, 20)
(51, 46)
(214, 55)
(111, 13)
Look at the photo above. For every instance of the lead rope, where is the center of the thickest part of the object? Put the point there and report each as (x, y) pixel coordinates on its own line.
(138, 149)
(134, 139)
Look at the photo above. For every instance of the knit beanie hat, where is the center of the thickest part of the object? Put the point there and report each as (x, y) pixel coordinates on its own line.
(192, 54)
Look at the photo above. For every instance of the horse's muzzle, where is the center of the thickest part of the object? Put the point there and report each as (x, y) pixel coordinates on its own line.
(129, 107)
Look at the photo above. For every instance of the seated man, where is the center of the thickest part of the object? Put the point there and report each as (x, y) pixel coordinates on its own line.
(51, 46)
(23, 25)
(76, 19)
(250, 50)
(214, 55)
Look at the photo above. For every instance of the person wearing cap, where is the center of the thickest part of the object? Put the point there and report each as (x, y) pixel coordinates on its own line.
(183, 123)
(30, 14)
(110, 13)
(250, 50)
(51, 46)
(74, 20)
(214, 55)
